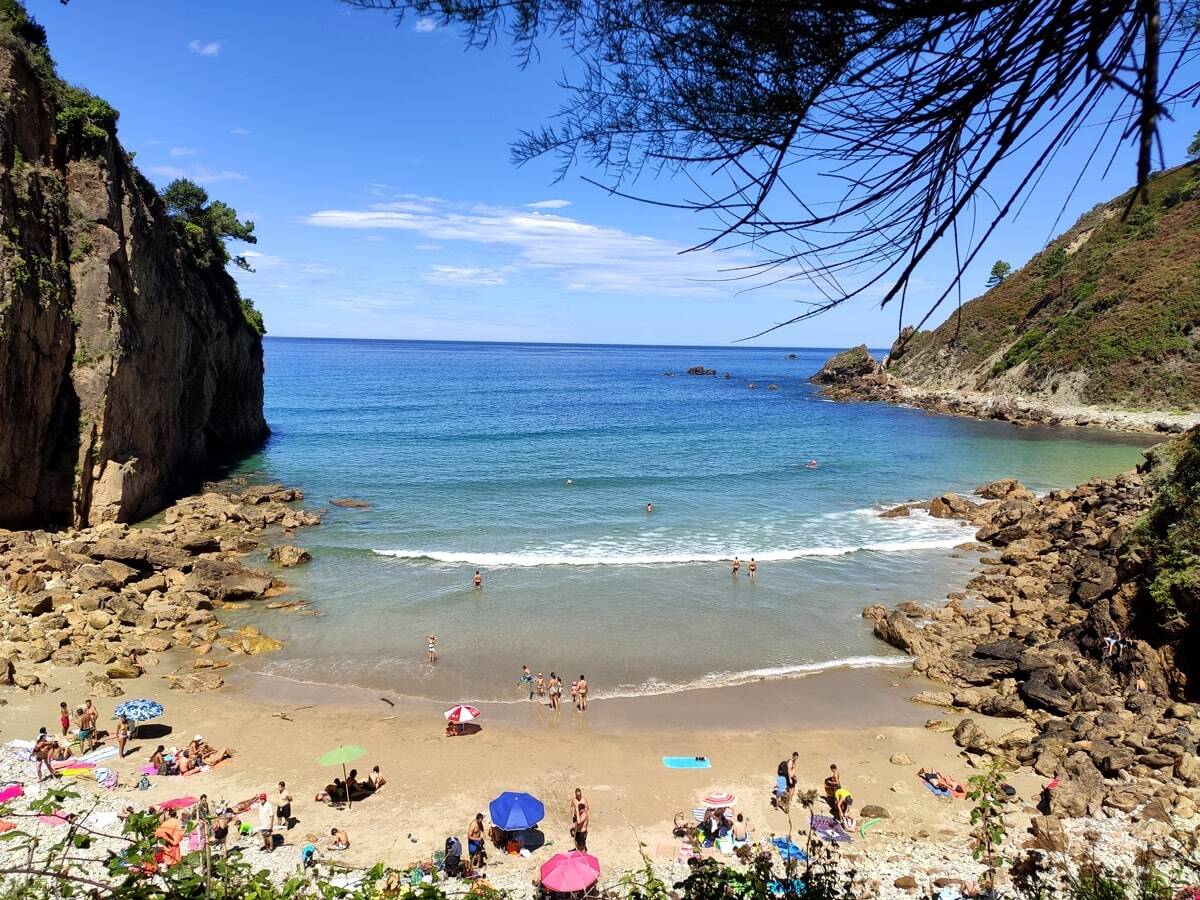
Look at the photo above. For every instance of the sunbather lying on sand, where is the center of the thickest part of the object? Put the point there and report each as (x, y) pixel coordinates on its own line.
(941, 782)
(205, 753)
(333, 794)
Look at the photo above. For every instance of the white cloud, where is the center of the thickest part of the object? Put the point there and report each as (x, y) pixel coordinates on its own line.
(197, 173)
(425, 25)
(205, 48)
(240, 132)
(578, 255)
(182, 151)
(466, 275)
(549, 204)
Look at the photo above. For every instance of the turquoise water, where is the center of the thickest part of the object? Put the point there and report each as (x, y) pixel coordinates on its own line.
(464, 451)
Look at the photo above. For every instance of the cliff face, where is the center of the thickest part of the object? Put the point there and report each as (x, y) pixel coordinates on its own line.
(1107, 315)
(125, 363)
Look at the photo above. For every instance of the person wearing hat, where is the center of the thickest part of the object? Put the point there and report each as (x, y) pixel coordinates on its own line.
(204, 753)
(266, 822)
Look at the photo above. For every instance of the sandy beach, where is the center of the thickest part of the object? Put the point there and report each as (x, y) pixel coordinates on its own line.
(858, 719)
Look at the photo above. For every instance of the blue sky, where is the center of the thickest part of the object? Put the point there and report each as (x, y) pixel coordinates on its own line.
(374, 161)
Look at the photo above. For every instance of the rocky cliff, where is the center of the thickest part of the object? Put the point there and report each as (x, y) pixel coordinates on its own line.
(1101, 328)
(126, 362)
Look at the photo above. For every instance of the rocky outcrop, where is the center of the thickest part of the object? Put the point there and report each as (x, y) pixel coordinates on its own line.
(126, 362)
(847, 366)
(117, 597)
(1059, 630)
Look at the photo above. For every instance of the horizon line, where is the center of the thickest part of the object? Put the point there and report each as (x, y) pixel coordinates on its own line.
(730, 346)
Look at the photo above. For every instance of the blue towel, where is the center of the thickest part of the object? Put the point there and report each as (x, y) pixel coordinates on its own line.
(686, 762)
(788, 850)
(779, 889)
(935, 790)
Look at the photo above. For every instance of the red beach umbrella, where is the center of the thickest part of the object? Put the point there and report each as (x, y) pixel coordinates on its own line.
(461, 713)
(568, 872)
(717, 799)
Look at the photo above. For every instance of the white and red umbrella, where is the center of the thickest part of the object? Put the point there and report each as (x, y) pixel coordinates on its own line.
(461, 714)
(717, 799)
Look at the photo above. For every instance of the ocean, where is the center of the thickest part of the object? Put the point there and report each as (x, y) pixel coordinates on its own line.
(464, 452)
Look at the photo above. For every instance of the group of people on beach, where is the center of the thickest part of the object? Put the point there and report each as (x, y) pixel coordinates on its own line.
(550, 690)
(837, 795)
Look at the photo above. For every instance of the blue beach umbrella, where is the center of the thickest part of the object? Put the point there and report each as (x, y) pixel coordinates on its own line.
(515, 812)
(138, 711)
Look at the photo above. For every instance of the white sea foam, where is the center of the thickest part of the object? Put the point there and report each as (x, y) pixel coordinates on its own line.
(548, 558)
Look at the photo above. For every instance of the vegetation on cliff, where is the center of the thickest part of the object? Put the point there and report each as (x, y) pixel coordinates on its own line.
(1108, 314)
(1166, 540)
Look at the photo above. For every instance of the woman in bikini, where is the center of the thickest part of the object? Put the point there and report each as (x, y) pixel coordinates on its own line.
(122, 736)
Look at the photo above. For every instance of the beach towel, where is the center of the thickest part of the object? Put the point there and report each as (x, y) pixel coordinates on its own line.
(60, 764)
(6, 826)
(778, 888)
(827, 829)
(12, 792)
(686, 762)
(935, 790)
(788, 850)
(99, 754)
(149, 770)
(52, 820)
(106, 778)
(862, 829)
(22, 750)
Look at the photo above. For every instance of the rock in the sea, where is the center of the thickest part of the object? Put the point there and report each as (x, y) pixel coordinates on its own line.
(349, 503)
(846, 366)
(251, 641)
(288, 555)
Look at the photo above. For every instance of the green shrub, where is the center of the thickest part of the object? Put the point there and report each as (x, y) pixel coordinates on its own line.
(84, 120)
(253, 316)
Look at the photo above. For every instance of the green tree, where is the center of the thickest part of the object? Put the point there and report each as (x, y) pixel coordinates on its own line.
(1053, 267)
(911, 109)
(987, 790)
(1193, 149)
(1000, 271)
(205, 224)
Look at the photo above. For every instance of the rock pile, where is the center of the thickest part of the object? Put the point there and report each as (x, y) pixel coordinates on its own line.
(116, 596)
(1043, 636)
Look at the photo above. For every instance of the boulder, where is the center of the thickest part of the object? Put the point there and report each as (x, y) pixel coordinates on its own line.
(846, 366)
(349, 503)
(1048, 834)
(34, 605)
(874, 812)
(970, 736)
(123, 668)
(247, 586)
(1044, 690)
(287, 555)
(950, 506)
(1187, 769)
(900, 759)
(906, 882)
(104, 687)
(1009, 649)
(198, 543)
(197, 682)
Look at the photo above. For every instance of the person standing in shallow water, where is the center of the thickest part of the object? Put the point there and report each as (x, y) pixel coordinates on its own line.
(753, 567)
(555, 687)
(478, 579)
(582, 688)
(737, 566)
(432, 648)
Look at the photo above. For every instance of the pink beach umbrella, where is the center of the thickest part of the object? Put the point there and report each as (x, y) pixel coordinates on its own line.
(567, 872)
(177, 803)
(717, 799)
(461, 714)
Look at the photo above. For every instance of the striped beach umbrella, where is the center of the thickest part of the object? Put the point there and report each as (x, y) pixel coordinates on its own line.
(716, 799)
(461, 714)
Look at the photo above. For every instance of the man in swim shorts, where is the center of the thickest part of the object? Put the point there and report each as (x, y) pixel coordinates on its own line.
(475, 840)
(580, 820)
(753, 567)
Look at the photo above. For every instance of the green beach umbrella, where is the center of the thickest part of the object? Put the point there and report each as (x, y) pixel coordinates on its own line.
(339, 756)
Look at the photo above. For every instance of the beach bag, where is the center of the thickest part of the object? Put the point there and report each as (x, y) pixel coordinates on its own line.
(144, 784)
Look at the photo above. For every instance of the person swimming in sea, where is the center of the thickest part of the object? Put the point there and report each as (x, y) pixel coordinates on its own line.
(570, 482)
(812, 464)
(649, 507)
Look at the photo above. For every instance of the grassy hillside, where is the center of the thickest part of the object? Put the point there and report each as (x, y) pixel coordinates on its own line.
(1108, 314)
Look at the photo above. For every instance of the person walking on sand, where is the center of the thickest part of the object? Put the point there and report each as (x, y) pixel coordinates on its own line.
(432, 638)
(785, 780)
(580, 820)
(478, 579)
(122, 736)
(582, 689)
(64, 718)
(737, 566)
(753, 567)
(266, 822)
